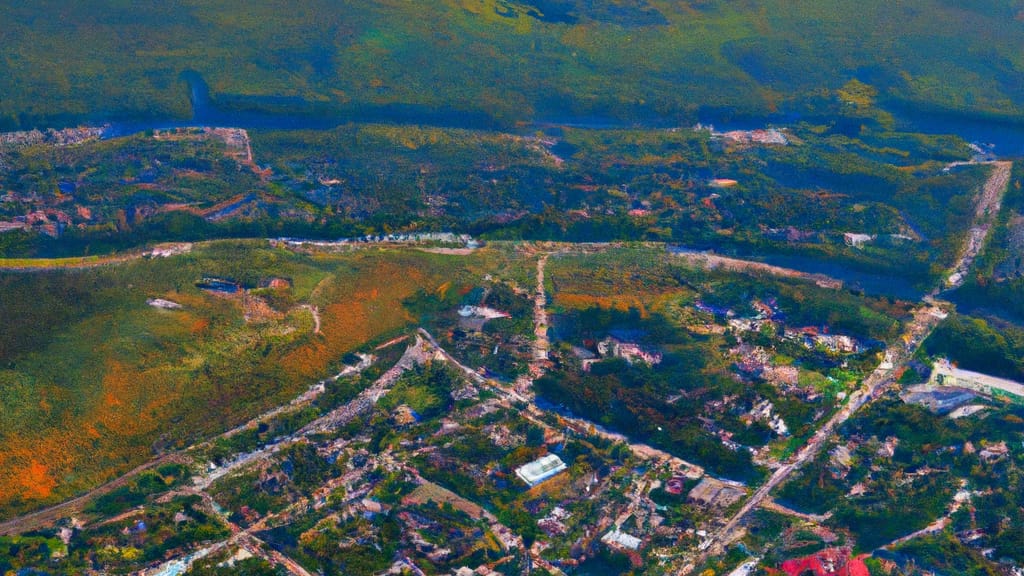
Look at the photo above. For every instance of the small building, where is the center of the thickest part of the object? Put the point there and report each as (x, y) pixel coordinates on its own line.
(628, 351)
(540, 469)
(619, 539)
(723, 183)
(276, 283)
(675, 485)
(404, 415)
(857, 240)
(994, 452)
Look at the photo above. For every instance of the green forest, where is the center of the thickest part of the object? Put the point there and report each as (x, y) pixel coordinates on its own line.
(506, 60)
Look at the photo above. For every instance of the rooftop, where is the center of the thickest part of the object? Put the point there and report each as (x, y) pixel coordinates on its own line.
(619, 538)
(540, 469)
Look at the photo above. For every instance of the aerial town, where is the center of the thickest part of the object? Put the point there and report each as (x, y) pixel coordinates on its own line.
(463, 446)
(512, 288)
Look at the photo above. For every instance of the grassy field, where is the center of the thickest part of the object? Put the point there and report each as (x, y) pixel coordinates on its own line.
(94, 381)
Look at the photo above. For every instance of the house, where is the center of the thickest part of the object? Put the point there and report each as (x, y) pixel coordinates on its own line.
(404, 415)
(628, 351)
(276, 283)
(723, 183)
(554, 523)
(857, 240)
(675, 485)
(888, 450)
(994, 452)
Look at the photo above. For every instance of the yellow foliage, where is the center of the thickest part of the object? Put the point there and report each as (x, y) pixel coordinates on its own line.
(858, 93)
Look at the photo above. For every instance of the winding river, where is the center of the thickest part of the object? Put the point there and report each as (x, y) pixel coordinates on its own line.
(1007, 138)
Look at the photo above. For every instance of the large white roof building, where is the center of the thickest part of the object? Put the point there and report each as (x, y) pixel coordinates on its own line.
(540, 469)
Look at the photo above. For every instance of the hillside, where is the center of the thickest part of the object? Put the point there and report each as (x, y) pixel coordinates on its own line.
(499, 62)
(98, 374)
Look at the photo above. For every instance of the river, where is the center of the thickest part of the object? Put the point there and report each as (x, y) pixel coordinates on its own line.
(872, 283)
(207, 111)
(1007, 139)
(242, 112)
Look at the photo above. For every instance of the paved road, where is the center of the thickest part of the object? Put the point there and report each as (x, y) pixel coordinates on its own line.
(541, 344)
(989, 203)
(925, 320)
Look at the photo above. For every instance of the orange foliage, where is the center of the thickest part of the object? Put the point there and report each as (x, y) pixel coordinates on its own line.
(131, 398)
(200, 326)
(22, 472)
(128, 405)
(132, 402)
(372, 305)
(36, 481)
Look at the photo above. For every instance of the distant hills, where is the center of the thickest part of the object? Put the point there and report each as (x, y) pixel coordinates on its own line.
(511, 61)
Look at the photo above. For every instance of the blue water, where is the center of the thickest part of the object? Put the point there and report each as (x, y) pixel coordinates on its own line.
(1006, 137)
(867, 282)
(875, 284)
(227, 110)
(208, 112)
(216, 285)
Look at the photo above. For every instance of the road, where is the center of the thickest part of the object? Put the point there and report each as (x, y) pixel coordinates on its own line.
(773, 506)
(49, 516)
(82, 262)
(416, 353)
(989, 203)
(924, 322)
(541, 344)
(361, 404)
(304, 399)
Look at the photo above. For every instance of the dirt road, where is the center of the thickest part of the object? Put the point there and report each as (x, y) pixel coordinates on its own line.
(714, 261)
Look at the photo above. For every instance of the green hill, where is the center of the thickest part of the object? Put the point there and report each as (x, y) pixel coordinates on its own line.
(507, 60)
